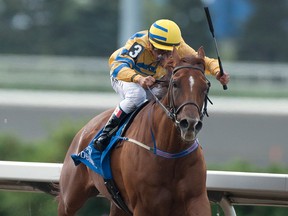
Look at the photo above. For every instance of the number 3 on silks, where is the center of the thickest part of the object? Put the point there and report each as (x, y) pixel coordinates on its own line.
(135, 50)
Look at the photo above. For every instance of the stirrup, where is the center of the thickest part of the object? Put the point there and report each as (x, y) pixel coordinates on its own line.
(101, 143)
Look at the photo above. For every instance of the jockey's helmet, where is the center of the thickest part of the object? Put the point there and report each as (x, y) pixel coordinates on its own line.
(164, 34)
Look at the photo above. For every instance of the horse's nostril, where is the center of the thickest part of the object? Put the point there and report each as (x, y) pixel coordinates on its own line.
(184, 123)
(198, 126)
(193, 125)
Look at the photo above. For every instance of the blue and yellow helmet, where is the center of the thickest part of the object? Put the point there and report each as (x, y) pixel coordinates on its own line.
(164, 34)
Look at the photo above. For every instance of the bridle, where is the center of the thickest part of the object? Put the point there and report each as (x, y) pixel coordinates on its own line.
(172, 110)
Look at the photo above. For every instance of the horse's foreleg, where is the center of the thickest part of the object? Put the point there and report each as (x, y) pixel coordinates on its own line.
(75, 188)
(201, 206)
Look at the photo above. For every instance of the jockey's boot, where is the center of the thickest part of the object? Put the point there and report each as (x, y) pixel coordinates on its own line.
(109, 129)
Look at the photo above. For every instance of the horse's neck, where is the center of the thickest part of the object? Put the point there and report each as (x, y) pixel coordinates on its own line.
(167, 136)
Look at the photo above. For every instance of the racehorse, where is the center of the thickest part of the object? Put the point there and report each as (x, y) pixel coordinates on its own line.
(171, 179)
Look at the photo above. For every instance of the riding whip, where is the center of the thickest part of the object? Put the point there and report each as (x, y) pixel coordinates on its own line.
(215, 42)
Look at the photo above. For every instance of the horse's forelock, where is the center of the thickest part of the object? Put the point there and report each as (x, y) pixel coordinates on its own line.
(188, 60)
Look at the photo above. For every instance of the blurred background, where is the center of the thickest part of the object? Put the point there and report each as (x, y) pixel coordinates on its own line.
(54, 77)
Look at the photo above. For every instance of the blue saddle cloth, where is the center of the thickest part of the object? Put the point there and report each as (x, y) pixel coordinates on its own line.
(100, 162)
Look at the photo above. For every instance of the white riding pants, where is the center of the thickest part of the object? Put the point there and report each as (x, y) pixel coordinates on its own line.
(133, 94)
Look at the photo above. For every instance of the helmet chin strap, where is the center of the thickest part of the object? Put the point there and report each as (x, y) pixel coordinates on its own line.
(160, 58)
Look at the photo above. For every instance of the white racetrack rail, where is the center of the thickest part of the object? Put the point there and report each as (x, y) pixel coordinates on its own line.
(229, 188)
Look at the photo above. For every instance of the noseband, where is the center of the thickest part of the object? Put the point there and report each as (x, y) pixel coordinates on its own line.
(172, 110)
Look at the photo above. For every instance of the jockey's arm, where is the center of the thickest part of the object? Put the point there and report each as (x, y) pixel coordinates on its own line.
(212, 67)
(122, 66)
(123, 72)
(211, 64)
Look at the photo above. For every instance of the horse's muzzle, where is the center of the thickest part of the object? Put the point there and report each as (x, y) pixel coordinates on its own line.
(189, 128)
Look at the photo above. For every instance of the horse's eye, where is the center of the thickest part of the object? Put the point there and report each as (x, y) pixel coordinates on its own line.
(174, 83)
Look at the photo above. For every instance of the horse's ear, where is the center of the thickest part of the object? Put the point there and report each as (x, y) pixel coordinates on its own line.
(201, 52)
(175, 56)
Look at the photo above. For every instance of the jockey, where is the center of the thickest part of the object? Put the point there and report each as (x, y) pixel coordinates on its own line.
(138, 64)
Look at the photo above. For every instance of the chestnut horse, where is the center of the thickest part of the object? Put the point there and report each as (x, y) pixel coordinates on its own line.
(172, 181)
